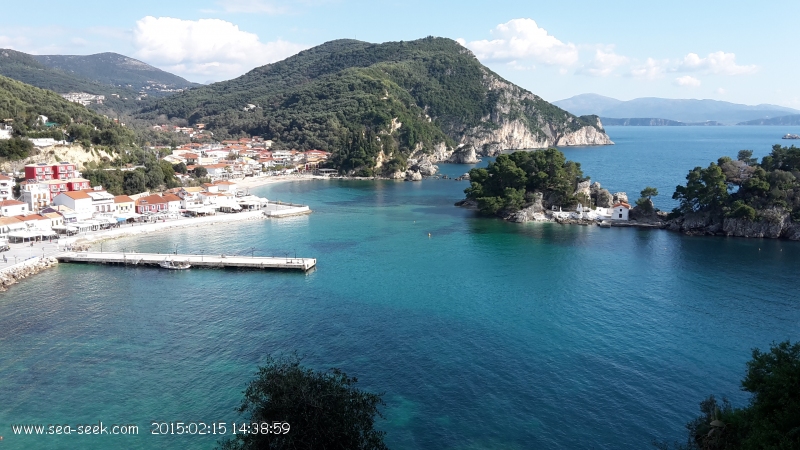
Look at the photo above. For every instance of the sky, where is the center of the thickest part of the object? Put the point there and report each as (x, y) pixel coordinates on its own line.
(736, 51)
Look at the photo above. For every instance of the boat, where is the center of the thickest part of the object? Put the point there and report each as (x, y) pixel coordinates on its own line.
(172, 265)
(791, 136)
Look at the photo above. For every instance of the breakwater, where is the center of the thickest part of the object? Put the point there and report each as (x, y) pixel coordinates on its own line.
(11, 275)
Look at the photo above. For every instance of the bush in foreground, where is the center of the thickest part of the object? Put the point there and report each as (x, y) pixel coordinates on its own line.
(324, 409)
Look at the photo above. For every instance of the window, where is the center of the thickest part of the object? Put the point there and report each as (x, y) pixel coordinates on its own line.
(620, 216)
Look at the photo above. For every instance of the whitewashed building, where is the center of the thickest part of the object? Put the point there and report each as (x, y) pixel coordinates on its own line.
(10, 208)
(620, 211)
(78, 201)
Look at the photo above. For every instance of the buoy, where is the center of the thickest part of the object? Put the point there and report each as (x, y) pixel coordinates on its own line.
(429, 235)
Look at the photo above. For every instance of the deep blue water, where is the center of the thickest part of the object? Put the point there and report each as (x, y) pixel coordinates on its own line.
(484, 335)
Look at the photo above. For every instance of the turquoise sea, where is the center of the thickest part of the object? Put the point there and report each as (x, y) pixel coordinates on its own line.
(485, 335)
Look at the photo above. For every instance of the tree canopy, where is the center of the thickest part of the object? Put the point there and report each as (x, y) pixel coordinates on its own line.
(324, 409)
(770, 421)
(506, 184)
(744, 188)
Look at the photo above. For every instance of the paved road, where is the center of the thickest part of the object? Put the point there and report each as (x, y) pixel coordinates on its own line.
(20, 252)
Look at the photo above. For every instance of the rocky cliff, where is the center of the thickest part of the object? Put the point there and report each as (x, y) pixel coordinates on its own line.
(522, 120)
(773, 224)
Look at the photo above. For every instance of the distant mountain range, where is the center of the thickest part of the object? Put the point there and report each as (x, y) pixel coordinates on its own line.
(117, 70)
(653, 122)
(793, 119)
(687, 111)
(123, 81)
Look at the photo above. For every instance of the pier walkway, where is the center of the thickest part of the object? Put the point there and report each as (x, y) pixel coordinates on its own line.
(207, 261)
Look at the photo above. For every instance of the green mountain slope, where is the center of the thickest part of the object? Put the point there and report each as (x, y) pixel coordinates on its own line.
(117, 70)
(22, 104)
(371, 103)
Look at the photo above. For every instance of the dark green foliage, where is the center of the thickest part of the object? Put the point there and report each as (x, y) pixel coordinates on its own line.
(27, 69)
(179, 168)
(15, 148)
(200, 172)
(771, 421)
(343, 95)
(134, 182)
(746, 156)
(324, 409)
(111, 179)
(645, 202)
(742, 188)
(24, 104)
(502, 186)
(649, 192)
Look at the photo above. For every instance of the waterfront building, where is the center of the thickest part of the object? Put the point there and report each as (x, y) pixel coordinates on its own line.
(10, 208)
(9, 224)
(619, 211)
(226, 186)
(173, 202)
(78, 201)
(124, 204)
(65, 212)
(102, 201)
(151, 204)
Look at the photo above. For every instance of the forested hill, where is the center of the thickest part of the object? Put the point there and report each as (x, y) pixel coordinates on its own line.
(116, 70)
(349, 97)
(23, 104)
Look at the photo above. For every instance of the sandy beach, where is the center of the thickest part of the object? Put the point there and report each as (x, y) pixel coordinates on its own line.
(250, 182)
(146, 228)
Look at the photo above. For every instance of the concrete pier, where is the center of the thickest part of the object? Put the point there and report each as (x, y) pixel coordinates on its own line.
(207, 261)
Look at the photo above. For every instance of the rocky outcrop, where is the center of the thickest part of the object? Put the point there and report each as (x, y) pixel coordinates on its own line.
(13, 275)
(534, 212)
(620, 197)
(522, 120)
(583, 188)
(602, 197)
(464, 155)
(399, 175)
(426, 168)
(773, 223)
(413, 175)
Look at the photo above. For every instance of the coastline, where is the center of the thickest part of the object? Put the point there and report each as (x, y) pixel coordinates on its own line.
(251, 182)
(137, 229)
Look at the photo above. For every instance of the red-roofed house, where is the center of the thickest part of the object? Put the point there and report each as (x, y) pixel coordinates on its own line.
(620, 211)
(151, 204)
(10, 208)
(78, 201)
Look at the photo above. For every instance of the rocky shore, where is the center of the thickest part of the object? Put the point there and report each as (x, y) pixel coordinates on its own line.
(13, 274)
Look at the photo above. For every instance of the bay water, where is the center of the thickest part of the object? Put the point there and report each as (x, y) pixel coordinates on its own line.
(484, 334)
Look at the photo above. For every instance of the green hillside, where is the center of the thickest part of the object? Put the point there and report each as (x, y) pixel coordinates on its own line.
(358, 99)
(22, 104)
(116, 70)
(25, 68)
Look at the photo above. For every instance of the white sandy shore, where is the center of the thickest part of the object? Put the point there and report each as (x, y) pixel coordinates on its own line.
(136, 229)
(249, 182)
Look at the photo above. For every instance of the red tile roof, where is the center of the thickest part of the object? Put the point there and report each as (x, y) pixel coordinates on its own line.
(11, 203)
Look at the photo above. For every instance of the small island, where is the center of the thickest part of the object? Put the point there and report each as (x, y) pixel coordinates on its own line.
(739, 197)
(543, 186)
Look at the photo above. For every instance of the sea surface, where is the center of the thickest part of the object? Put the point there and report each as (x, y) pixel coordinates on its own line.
(483, 335)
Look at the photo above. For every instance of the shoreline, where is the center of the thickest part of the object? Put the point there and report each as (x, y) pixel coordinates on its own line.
(134, 230)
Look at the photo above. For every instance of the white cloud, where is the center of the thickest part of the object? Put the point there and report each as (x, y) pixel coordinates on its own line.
(210, 48)
(522, 39)
(651, 69)
(604, 63)
(719, 63)
(721, 91)
(687, 80)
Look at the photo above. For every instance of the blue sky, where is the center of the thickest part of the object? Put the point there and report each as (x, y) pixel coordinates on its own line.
(735, 51)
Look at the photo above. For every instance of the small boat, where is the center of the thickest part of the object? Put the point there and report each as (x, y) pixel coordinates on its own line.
(172, 265)
(791, 136)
